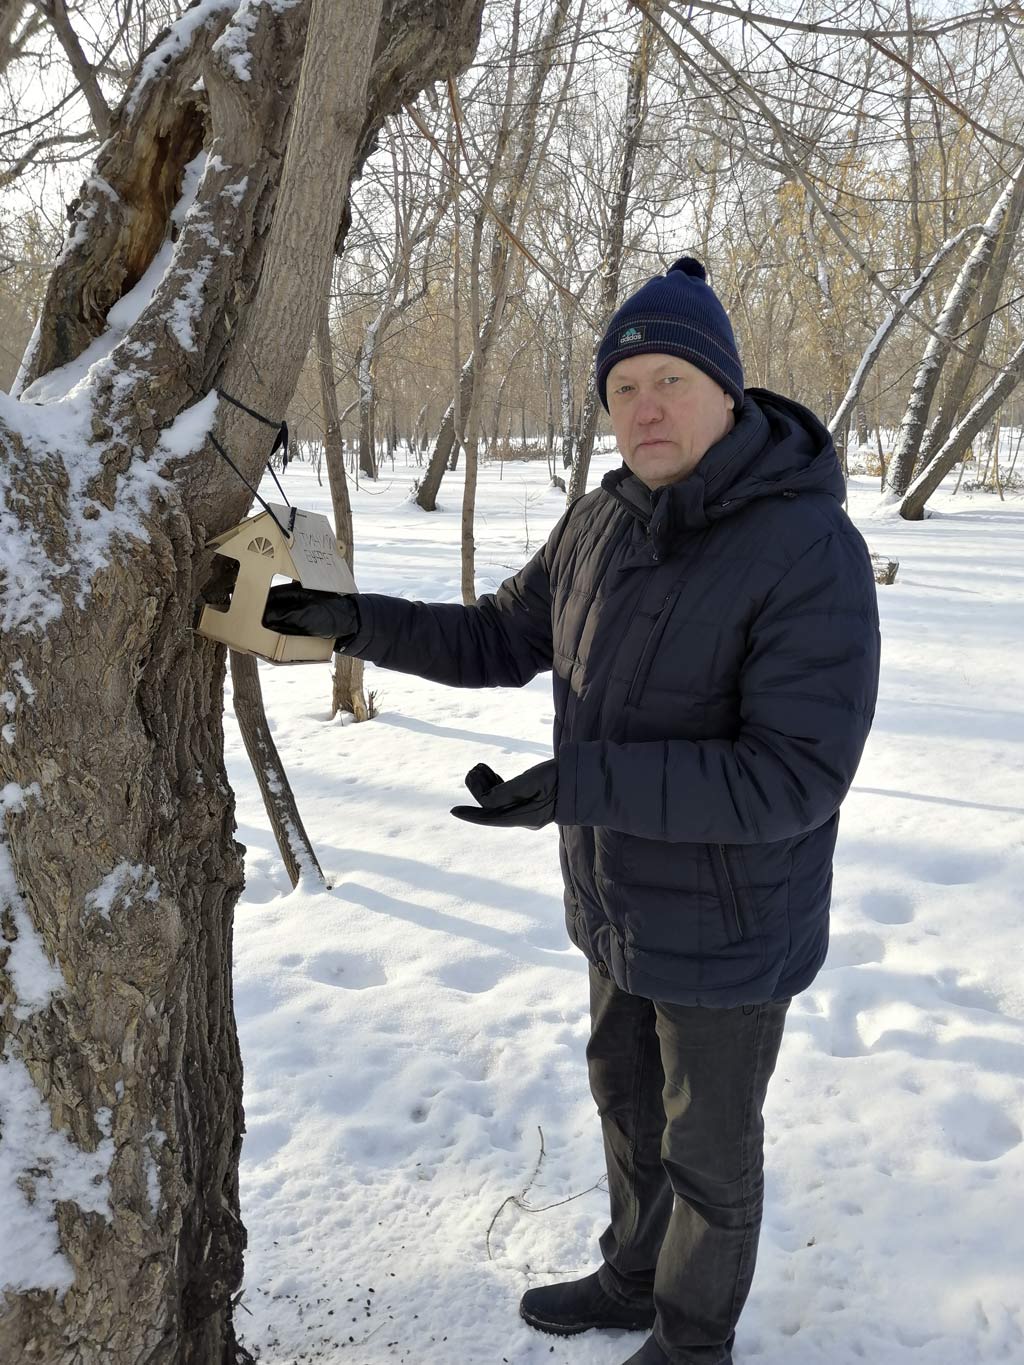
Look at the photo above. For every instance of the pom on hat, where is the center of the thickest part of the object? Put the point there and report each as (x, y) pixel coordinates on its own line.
(689, 265)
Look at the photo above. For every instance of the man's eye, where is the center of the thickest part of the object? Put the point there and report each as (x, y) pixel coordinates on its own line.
(671, 379)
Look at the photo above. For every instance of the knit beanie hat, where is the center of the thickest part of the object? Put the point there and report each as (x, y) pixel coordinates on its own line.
(677, 313)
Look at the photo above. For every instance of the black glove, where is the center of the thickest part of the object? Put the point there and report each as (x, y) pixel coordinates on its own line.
(294, 610)
(527, 800)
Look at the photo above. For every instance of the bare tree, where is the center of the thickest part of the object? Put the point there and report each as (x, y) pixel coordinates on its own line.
(118, 870)
(611, 271)
(416, 218)
(347, 687)
(56, 12)
(953, 449)
(1001, 226)
(297, 852)
(519, 140)
(888, 326)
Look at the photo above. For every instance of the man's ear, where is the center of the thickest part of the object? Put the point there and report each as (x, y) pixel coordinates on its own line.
(730, 402)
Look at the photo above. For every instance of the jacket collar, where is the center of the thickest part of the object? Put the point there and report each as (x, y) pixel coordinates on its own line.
(777, 447)
(670, 512)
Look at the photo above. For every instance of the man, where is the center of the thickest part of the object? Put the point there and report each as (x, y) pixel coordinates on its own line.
(709, 613)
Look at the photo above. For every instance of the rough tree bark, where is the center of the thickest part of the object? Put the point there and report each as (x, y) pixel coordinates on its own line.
(118, 869)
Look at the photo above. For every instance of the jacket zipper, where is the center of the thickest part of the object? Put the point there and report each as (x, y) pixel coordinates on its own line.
(650, 648)
(732, 893)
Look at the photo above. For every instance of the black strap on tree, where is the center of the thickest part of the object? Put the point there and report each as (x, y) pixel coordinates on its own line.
(280, 443)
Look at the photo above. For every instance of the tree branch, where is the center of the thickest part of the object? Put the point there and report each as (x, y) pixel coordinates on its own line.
(56, 12)
(749, 16)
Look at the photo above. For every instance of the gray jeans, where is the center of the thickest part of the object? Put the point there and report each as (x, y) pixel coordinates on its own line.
(680, 1090)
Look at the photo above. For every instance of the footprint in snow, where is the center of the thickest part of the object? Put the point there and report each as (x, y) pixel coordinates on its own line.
(345, 970)
(979, 1129)
(972, 997)
(474, 975)
(853, 950)
(958, 869)
(888, 907)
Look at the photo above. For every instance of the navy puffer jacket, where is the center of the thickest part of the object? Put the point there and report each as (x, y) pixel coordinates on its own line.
(715, 651)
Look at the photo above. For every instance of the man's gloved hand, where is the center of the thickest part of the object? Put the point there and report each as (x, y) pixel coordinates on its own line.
(294, 610)
(527, 801)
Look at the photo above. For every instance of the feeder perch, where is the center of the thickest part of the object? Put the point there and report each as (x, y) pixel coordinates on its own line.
(308, 554)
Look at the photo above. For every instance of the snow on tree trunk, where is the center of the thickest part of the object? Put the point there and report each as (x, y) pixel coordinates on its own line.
(956, 388)
(929, 372)
(297, 853)
(984, 408)
(120, 1078)
(885, 329)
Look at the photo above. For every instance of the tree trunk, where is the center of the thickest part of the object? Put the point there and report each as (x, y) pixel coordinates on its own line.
(929, 372)
(419, 436)
(566, 314)
(955, 390)
(517, 197)
(428, 486)
(471, 441)
(366, 380)
(982, 411)
(347, 685)
(297, 854)
(636, 117)
(549, 395)
(861, 419)
(118, 869)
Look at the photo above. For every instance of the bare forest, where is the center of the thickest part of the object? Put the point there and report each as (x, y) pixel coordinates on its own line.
(402, 227)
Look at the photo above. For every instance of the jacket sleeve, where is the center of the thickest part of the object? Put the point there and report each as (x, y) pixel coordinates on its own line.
(502, 641)
(807, 699)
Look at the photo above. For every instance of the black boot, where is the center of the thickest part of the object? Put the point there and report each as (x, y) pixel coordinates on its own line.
(650, 1353)
(578, 1305)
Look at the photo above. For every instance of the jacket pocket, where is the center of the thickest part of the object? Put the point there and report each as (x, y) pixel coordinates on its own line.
(650, 649)
(732, 914)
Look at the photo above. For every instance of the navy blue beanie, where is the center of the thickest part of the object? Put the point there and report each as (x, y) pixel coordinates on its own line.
(677, 313)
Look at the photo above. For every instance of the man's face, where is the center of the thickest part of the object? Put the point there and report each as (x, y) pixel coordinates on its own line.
(666, 415)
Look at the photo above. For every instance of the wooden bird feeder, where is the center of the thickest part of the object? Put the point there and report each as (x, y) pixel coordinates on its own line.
(308, 553)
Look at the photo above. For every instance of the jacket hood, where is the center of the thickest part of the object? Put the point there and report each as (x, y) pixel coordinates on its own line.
(777, 448)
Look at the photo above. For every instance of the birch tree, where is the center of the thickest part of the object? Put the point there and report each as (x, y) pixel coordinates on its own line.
(1000, 230)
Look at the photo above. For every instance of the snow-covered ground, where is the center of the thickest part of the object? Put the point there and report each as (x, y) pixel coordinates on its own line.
(414, 1038)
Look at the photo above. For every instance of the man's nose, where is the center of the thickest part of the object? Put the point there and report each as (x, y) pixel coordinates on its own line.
(648, 409)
